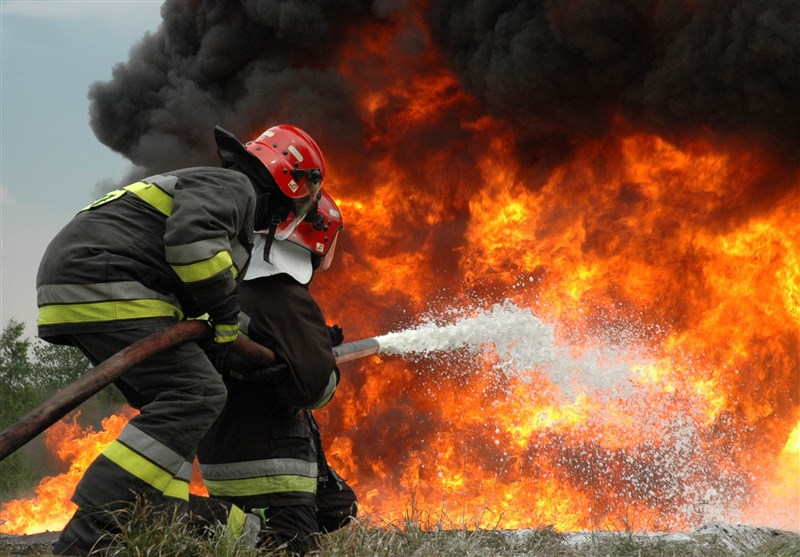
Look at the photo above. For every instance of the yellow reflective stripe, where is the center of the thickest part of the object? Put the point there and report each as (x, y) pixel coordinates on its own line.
(235, 523)
(107, 311)
(260, 485)
(152, 195)
(205, 269)
(226, 333)
(136, 465)
(110, 196)
(179, 489)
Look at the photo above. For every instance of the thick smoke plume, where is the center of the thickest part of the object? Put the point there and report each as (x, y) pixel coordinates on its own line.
(556, 70)
(241, 65)
(574, 65)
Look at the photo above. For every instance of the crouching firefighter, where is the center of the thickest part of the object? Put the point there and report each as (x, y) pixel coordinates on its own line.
(264, 453)
(143, 257)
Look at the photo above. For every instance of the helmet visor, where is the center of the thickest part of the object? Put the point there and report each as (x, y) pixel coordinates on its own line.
(327, 259)
(287, 227)
(300, 209)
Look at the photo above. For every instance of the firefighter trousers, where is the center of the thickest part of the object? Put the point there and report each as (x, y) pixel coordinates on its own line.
(266, 458)
(179, 394)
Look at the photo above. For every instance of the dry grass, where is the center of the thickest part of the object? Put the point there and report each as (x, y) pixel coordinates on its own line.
(145, 534)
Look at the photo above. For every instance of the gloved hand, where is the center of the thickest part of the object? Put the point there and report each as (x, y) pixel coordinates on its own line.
(219, 355)
(337, 335)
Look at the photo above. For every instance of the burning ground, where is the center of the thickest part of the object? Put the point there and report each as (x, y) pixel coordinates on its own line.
(624, 171)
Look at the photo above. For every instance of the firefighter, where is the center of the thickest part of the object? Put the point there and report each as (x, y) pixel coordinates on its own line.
(264, 453)
(168, 247)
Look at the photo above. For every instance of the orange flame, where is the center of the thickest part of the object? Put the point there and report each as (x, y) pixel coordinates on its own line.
(51, 507)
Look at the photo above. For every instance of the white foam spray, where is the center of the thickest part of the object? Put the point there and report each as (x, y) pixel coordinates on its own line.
(519, 337)
(522, 342)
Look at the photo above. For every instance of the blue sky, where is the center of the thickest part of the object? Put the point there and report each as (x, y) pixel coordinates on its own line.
(50, 161)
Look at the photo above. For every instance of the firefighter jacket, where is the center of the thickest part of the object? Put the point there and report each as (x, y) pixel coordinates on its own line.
(260, 451)
(161, 249)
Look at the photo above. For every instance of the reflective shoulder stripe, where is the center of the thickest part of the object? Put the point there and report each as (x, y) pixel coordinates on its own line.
(156, 190)
(107, 311)
(165, 183)
(140, 467)
(261, 486)
(110, 196)
(153, 196)
(205, 269)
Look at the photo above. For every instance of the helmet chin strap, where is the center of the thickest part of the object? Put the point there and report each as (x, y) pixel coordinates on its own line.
(269, 217)
(269, 237)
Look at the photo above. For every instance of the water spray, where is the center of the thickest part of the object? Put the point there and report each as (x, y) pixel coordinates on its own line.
(520, 339)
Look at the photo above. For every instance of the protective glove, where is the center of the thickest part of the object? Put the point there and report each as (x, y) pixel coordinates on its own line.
(337, 335)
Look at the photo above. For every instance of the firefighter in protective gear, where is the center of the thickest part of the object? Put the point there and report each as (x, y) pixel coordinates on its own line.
(168, 247)
(264, 453)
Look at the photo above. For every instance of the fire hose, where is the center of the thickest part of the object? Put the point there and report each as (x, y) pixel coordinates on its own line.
(70, 397)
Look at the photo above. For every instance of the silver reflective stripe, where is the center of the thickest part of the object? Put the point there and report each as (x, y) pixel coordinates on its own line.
(166, 183)
(196, 251)
(47, 294)
(153, 449)
(258, 468)
(244, 323)
(185, 472)
(239, 254)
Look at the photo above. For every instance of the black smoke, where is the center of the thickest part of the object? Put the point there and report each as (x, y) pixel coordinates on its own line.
(567, 68)
(555, 70)
(242, 65)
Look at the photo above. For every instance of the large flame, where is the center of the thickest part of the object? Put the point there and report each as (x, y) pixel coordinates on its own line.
(76, 447)
(667, 268)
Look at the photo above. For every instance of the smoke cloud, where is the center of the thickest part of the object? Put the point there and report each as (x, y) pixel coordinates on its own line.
(557, 70)
(570, 67)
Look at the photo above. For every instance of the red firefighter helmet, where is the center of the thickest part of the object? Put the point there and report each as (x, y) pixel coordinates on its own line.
(293, 159)
(295, 162)
(319, 231)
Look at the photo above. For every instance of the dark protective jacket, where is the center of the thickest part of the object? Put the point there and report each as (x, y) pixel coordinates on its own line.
(167, 247)
(260, 452)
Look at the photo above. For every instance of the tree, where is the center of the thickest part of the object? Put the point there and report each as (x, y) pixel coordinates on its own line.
(16, 371)
(17, 396)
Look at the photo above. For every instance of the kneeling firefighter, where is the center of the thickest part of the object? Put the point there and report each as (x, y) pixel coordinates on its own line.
(264, 453)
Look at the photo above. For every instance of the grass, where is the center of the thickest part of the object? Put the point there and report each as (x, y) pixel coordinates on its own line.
(145, 534)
